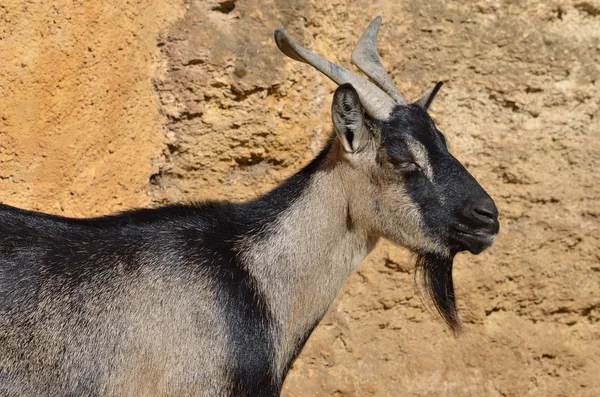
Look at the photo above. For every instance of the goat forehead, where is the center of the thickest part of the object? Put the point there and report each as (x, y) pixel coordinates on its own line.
(409, 125)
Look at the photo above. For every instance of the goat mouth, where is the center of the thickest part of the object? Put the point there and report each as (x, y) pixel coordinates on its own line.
(474, 241)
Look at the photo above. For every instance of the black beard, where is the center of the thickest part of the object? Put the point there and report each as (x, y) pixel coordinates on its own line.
(434, 273)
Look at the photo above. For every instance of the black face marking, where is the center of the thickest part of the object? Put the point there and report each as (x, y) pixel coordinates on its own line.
(456, 212)
(411, 122)
(442, 199)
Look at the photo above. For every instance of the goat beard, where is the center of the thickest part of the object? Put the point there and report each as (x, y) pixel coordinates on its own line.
(434, 273)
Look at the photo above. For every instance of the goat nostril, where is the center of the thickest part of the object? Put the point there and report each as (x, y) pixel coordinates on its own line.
(485, 210)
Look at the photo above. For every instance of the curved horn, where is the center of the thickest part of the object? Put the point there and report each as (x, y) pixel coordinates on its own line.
(366, 58)
(375, 101)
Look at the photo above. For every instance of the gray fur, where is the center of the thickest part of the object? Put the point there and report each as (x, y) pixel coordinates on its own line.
(305, 263)
(147, 315)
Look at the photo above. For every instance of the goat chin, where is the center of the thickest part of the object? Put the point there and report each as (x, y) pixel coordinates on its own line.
(433, 276)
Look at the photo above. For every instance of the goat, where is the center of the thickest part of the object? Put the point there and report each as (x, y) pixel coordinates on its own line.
(217, 298)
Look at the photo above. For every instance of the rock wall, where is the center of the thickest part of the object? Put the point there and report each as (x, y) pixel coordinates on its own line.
(112, 105)
(80, 131)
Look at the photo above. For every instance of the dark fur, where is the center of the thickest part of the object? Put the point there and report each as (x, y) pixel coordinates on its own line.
(434, 273)
(72, 259)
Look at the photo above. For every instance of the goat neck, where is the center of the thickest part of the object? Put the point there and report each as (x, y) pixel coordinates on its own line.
(304, 255)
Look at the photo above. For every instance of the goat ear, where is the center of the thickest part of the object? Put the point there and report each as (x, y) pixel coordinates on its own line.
(349, 119)
(426, 99)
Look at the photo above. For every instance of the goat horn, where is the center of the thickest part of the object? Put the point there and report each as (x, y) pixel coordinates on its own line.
(366, 58)
(376, 102)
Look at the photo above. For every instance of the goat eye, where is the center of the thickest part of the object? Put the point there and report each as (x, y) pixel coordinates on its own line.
(406, 166)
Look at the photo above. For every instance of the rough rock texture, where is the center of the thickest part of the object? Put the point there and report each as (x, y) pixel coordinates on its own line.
(82, 133)
(79, 126)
